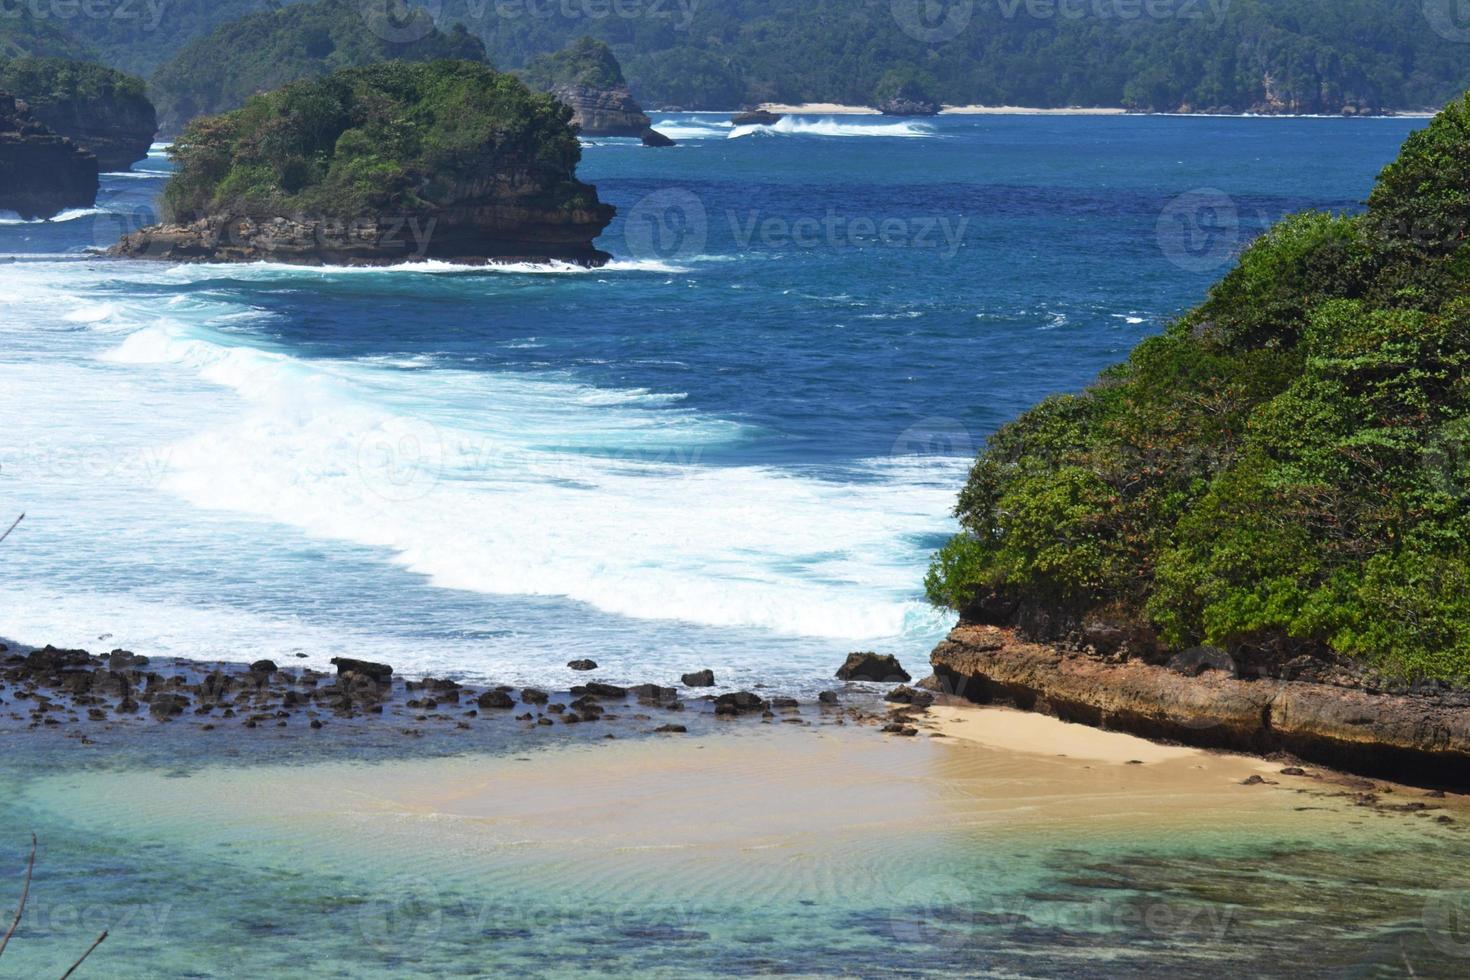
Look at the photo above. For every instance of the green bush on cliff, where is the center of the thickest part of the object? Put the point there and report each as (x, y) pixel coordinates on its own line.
(583, 62)
(387, 137)
(68, 85)
(220, 71)
(1285, 469)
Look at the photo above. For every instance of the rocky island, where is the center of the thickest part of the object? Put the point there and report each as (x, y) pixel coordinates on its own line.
(586, 77)
(906, 92)
(1253, 534)
(390, 163)
(99, 109)
(41, 173)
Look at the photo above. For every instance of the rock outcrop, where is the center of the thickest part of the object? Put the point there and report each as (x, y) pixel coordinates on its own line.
(41, 173)
(509, 192)
(756, 117)
(908, 107)
(1421, 738)
(603, 112)
(101, 110)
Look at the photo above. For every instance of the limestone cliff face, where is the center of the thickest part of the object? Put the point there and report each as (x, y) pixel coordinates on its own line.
(1422, 737)
(41, 173)
(514, 214)
(603, 112)
(117, 131)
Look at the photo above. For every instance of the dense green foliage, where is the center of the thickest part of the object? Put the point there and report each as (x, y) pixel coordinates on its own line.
(391, 137)
(1321, 54)
(584, 62)
(60, 83)
(267, 50)
(1286, 469)
(909, 84)
(22, 35)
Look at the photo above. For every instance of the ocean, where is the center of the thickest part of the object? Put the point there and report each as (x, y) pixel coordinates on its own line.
(734, 447)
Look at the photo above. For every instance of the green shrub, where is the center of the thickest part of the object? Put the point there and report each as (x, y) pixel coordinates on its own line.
(1287, 467)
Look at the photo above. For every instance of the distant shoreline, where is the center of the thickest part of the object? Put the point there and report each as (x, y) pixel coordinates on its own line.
(837, 109)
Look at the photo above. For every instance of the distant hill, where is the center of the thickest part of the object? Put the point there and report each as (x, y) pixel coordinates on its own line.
(1264, 55)
(261, 52)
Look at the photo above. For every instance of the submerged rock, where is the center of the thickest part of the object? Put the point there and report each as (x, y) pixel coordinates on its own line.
(699, 678)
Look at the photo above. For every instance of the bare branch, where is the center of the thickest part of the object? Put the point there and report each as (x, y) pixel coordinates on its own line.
(2, 538)
(84, 956)
(30, 868)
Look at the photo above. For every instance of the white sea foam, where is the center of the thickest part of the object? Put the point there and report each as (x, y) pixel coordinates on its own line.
(70, 214)
(797, 126)
(496, 483)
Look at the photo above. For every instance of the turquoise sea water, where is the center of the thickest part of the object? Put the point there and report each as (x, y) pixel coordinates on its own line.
(735, 447)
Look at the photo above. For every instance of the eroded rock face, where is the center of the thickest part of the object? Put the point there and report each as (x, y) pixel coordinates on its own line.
(41, 173)
(1414, 738)
(118, 134)
(603, 112)
(908, 107)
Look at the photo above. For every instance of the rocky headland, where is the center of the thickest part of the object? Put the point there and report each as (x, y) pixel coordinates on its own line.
(41, 172)
(587, 78)
(361, 186)
(101, 110)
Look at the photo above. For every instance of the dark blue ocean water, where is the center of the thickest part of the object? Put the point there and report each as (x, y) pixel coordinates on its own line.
(734, 447)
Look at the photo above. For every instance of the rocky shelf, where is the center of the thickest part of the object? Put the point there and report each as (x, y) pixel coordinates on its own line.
(1420, 738)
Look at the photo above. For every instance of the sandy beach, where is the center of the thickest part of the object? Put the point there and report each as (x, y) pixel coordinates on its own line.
(835, 109)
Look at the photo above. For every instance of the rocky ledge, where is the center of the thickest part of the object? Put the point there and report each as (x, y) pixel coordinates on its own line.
(609, 112)
(1421, 738)
(471, 232)
(41, 173)
(908, 107)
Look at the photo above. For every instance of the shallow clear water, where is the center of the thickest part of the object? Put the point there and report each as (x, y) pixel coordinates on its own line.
(734, 447)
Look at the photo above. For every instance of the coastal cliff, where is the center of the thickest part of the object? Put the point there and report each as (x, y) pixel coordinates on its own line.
(1421, 736)
(378, 165)
(1276, 488)
(41, 173)
(101, 110)
(587, 78)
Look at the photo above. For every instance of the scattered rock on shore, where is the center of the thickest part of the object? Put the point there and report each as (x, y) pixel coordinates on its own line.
(883, 668)
(382, 673)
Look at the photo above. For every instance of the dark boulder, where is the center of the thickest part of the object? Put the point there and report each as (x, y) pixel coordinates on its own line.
(382, 673)
(41, 173)
(583, 665)
(652, 137)
(531, 695)
(884, 669)
(496, 699)
(263, 667)
(166, 706)
(757, 117)
(738, 702)
(699, 678)
(907, 695)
